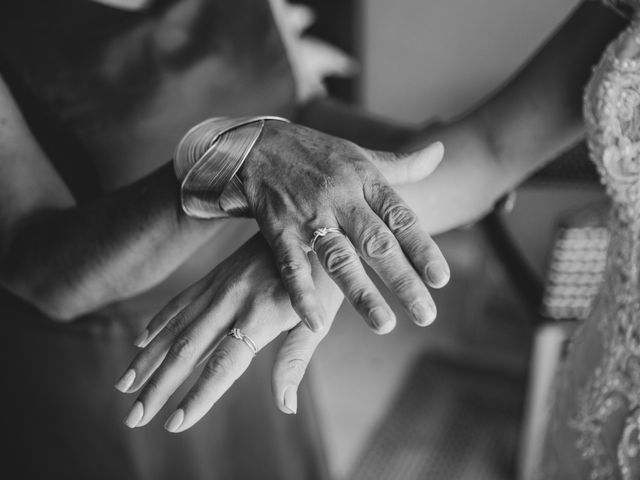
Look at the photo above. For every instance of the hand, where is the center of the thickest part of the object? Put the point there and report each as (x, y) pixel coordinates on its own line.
(245, 292)
(298, 180)
(311, 59)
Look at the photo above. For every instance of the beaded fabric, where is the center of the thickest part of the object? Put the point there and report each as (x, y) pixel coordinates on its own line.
(598, 437)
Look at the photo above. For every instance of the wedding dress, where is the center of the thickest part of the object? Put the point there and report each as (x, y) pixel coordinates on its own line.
(595, 422)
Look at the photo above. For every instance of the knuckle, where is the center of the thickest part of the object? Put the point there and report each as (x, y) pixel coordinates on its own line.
(183, 349)
(219, 364)
(399, 217)
(408, 286)
(359, 159)
(376, 191)
(291, 270)
(175, 325)
(327, 185)
(338, 258)
(362, 299)
(377, 243)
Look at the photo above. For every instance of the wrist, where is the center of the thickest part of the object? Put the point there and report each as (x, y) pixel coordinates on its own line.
(207, 161)
(254, 161)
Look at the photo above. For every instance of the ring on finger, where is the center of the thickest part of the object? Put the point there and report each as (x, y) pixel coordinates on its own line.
(240, 335)
(323, 232)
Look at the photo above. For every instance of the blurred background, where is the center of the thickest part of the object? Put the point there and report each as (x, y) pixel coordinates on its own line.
(429, 401)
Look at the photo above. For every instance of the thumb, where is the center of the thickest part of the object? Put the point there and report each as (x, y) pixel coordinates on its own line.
(401, 168)
(291, 365)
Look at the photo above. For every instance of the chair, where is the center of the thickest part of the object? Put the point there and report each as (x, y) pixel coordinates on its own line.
(560, 300)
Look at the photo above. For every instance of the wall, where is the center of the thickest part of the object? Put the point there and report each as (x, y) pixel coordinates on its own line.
(436, 57)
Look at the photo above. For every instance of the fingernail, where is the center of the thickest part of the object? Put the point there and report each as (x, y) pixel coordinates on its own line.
(141, 339)
(381, 320)
(313, 322)
(438, 274)
(436, 148)
(423, 312)
(432, 313)
(135, 415)
(125, 382)
(290, 400)
(174, 422)
(438, 145)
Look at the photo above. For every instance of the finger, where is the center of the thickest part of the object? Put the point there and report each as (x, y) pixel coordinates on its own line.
(295, 272)
(408, 167)
(151, 356)
(181, 359)
(419, 247)
(381, 251)
(177, 303)
(341, 262)
(291, 365)
(299, 17)
(227, 363)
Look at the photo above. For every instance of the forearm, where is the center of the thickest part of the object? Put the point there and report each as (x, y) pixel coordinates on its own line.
(347, 121)
(71, 261)
(490, 150)
(526, 123)
(464, 186)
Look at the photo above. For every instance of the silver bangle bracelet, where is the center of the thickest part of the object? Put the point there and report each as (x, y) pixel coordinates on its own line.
(206, 163)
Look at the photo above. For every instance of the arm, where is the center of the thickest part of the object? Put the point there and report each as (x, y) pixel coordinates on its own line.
(243, 292)
(528, 122)
(68, 259)
(491, 149)
(340, 119)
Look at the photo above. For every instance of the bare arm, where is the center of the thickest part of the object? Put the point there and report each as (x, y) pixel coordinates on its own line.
(68, 259)
(528, 122)
(490, 150)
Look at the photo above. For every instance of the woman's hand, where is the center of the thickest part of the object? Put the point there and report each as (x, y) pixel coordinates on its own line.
(311, 59)
(244, 292)
(298, 180)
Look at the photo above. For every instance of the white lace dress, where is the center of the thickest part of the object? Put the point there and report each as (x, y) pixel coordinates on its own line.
(598, 437)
